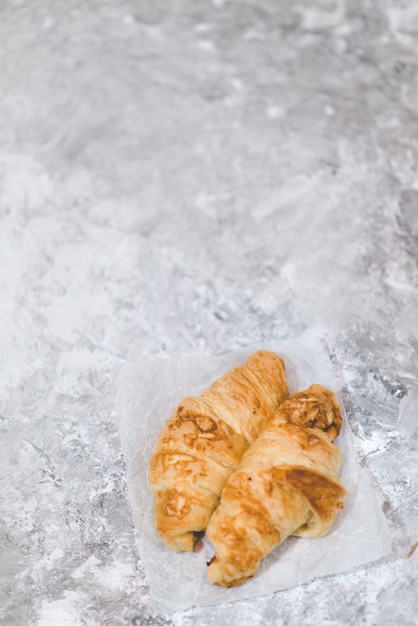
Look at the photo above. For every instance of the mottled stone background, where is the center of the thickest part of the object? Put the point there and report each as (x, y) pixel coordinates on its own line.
(197, 175)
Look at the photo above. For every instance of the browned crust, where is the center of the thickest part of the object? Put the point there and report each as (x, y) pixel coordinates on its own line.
(324, 495)
(316, 407)
(203, 441)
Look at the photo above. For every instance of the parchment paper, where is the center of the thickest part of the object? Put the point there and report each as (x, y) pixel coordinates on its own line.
(149, 389)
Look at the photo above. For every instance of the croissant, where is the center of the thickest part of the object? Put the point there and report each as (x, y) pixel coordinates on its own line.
(286, 484)
(203, 441)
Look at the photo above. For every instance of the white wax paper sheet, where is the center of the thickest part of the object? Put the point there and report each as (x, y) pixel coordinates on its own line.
(149, 389)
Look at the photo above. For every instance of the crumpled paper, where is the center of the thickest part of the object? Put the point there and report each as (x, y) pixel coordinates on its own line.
(149, 389)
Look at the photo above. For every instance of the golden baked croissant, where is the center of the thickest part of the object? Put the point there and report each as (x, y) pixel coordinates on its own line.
(286, 484)
(203, 441)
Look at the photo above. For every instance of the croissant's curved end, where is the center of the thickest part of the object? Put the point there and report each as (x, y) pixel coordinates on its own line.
(218, 575)
(271, 368)
(263, 355)
(182, 516)
(181, 543)
(316, 407)
(323, 494)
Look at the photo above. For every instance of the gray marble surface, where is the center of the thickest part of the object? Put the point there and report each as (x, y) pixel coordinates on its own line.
(198, 176)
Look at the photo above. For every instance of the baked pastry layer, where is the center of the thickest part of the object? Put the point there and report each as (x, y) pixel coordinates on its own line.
(203, 441)
(286, 484)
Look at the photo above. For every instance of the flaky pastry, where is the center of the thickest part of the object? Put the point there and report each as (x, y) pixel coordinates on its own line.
(286, 484)
(203, 441)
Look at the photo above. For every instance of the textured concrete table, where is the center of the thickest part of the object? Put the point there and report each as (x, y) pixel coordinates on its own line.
(197, 176)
